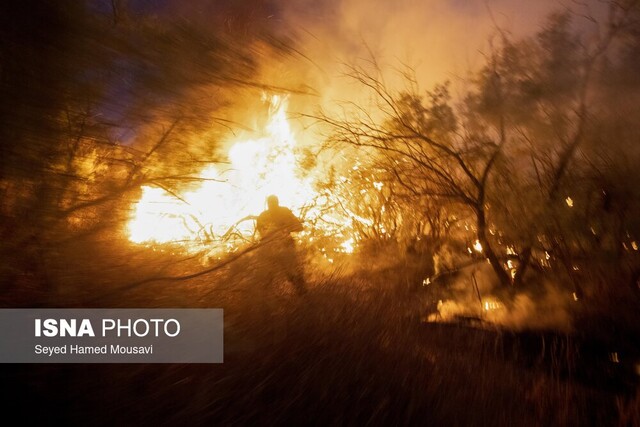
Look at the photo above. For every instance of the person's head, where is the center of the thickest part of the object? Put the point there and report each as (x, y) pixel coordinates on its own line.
(272, 201)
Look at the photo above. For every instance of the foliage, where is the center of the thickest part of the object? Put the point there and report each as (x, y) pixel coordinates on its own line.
(516, 152)
(98, 98)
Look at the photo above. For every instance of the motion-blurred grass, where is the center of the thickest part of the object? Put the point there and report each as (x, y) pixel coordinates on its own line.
(353, 351)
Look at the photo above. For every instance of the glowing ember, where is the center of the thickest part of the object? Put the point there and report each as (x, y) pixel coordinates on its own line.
(492, 304)
(227, 200)
(347, 246)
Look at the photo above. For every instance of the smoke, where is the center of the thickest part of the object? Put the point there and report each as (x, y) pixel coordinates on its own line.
(551, 310)
(545, 305)
(441, 40)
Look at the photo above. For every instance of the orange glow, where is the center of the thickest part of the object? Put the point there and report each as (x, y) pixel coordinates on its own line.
(259, 167)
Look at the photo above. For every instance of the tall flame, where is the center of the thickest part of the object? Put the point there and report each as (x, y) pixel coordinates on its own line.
(259, 167)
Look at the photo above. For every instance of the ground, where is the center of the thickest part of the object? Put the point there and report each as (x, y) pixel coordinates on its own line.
(353, 351)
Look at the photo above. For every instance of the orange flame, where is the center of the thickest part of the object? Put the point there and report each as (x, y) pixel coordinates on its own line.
(259, 167)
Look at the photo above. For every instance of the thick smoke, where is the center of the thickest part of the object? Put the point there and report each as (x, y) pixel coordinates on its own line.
(441, 40)
(549, 307)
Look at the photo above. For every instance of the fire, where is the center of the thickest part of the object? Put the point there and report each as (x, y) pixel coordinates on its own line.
(348, 245)
(492, 304)
(569, 201)
(228, 199)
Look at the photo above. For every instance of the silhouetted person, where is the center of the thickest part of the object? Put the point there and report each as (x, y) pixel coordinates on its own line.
(275, 226)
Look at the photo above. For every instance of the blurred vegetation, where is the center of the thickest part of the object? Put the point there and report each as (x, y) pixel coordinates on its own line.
(536, 162)
(98, 98)
(532, 160)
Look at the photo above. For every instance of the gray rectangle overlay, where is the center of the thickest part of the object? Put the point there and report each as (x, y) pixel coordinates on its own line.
(146, 335)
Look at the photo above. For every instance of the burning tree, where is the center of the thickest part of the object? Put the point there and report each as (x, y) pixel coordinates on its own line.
(505, 153)
(130, 131)
(423, 150)
(98, 101)
(217, 215)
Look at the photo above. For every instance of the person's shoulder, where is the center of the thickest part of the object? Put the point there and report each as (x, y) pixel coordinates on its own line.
(287, 212)
(278, 210)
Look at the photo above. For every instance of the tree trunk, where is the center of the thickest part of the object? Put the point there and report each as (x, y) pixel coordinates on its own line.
(525, 260)
(504, 278)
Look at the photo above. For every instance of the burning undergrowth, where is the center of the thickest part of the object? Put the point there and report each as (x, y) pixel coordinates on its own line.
(473, 295)
(217, 215)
